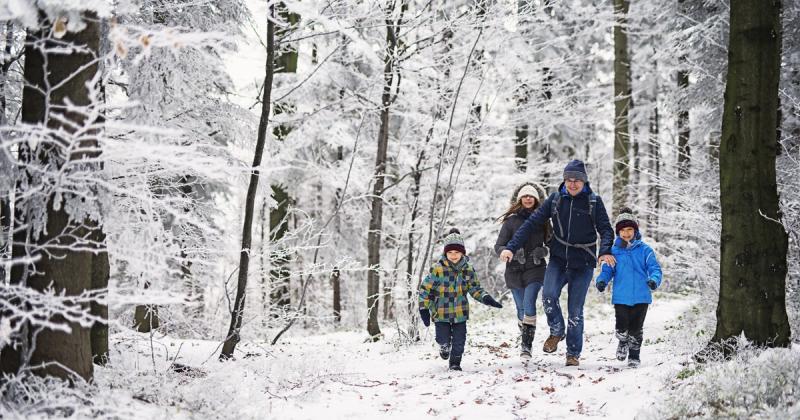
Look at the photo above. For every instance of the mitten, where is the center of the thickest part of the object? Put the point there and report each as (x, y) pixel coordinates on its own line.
(600, 285)
(488, 300)
(539, 253)
(652, 284)
(425, 316)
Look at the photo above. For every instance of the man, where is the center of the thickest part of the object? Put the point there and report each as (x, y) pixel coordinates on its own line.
(578, 215)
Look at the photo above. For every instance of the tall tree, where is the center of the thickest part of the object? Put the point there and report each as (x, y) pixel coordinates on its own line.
(754, 242)
(234, 329)
(622, 104)
(684, 131)
(285, 62)
(55, 85)
(388, 96)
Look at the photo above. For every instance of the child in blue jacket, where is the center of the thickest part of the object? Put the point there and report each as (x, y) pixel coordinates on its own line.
(635, 274)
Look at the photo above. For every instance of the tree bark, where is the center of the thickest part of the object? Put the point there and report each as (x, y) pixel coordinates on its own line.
(337, 296)
(622, 104)
(234, 329)
(66, 266)
(752, 293)
(285, 62)
(654, 192)
(376, 213)
(684, 131)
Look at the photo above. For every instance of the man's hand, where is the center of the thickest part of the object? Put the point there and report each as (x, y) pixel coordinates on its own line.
(506, 255)
(608, 259)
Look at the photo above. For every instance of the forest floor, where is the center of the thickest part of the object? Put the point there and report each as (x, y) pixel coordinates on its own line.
(337, 375)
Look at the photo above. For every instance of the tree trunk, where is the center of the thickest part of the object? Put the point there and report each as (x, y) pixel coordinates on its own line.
(376, 213)
(285, 62)
(337, 295)
(521, 142)
(754, 243)
(63, 266)
(234, 329)
(654, 192)
(101, 269)
(622, 104)
(684, 152)
(5, 194)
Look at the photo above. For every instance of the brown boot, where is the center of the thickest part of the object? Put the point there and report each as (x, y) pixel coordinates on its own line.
(551, 344)
(572, 361)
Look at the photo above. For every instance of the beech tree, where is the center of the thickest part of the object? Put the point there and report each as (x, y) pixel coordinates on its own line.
(754, 243)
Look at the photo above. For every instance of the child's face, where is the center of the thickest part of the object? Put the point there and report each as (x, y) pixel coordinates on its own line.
(627, 234)
(453, 256)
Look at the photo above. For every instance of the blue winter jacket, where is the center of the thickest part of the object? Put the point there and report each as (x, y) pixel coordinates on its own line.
(576, 222)
(635, 265)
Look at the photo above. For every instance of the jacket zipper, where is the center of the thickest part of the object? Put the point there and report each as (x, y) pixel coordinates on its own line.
(569, 229)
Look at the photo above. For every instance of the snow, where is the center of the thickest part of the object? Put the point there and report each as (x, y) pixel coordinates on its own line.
(339, 375)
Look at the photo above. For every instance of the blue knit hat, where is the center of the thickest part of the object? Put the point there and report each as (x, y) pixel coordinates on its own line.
(575, 169)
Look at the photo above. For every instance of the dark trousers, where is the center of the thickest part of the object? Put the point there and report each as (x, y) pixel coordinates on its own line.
(630, 320)
(454, 335)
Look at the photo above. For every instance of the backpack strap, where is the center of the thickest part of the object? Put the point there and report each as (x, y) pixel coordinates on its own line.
(559, 236)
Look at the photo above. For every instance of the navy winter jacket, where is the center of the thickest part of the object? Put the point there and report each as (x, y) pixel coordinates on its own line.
(576, 221)
(636, 264)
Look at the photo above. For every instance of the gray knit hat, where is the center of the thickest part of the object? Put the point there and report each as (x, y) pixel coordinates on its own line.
(454, 242)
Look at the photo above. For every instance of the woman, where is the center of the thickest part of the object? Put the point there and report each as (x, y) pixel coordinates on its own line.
(524, 274)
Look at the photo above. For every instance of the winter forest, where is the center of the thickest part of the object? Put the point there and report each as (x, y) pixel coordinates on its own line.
(245, 208)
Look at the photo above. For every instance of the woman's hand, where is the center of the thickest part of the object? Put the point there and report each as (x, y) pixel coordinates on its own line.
(506, 255)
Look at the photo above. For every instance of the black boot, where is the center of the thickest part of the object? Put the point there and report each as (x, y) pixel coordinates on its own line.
(455, 362)
(444, 351)
(528, 332)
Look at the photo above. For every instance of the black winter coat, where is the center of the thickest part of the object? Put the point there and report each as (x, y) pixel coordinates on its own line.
(519, 275)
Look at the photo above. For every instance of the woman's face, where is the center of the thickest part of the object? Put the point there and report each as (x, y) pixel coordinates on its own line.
(528, 201)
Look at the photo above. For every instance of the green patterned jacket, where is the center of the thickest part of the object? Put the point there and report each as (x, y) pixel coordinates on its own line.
(444, 291)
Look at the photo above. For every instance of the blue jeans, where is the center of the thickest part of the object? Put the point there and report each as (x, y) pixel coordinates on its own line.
(525, 299)
(454, 335)
(578, 279)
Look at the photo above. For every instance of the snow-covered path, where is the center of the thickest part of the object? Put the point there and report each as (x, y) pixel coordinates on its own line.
(414, 382)
(338, 376)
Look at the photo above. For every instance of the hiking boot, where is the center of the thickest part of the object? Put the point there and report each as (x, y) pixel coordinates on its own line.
(455, 363)
(444, 351)
(528, 332)
(572, 360)
(634, 363)
(551, 344)
(622, 350)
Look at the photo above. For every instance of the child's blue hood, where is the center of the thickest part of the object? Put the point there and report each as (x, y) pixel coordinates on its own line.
(637, 240)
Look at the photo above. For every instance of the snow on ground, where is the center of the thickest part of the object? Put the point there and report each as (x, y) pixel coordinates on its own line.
(338, 375)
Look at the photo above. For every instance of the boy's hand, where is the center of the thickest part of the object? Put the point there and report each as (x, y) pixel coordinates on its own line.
(506, 255)
(488, 300)
(425, 316)
(600, 285)
(652, 284)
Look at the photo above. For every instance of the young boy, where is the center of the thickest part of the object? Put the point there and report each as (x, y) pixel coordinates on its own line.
(636, 273)
(444, 291)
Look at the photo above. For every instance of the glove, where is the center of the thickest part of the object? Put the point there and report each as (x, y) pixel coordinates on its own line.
(600, 285)
(425, 316)
(539, 253)
(488, 300)
(519, 256)
(652, 284)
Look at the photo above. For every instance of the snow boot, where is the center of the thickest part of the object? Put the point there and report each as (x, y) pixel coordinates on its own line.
(455, 363)
(634, 363)
(572, 360)
(528, 331)
(444, 351)
(622, 347)
(551, 344)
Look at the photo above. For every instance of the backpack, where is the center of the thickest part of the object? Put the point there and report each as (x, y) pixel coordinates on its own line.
(554, 216)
